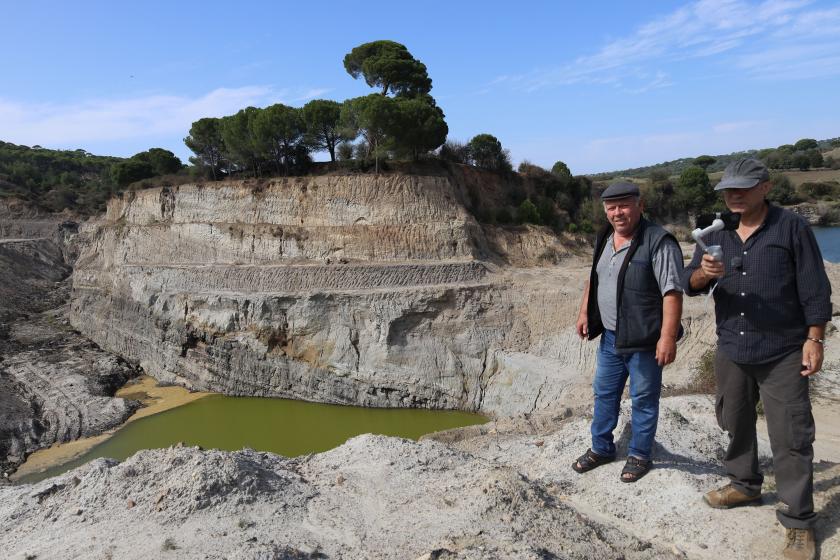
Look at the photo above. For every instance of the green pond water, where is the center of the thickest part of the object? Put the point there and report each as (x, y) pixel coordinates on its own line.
(282, 426)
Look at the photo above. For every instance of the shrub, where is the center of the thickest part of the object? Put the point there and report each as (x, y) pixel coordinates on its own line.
(503, 216)
(562, 171)
(531, 170)
(827, 215)
(344, 151)
(782, 191)
(592, 216)
(454, 151)
(527, 213)
(486, 152)
(703, 379)
(361, 151)
(546, 211)
(817, 190)
(694, 193)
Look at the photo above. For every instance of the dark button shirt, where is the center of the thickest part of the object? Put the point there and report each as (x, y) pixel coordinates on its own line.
(774, 287)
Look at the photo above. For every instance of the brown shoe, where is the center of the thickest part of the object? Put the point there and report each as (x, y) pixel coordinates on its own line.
(800, 544)
(728, 496)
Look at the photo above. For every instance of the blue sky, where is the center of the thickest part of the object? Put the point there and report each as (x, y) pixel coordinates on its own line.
(599, 85)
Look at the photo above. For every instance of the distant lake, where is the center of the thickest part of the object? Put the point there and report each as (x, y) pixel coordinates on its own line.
(829, 240)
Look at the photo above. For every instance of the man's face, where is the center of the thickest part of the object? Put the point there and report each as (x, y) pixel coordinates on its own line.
(746, 201)
(624, 214)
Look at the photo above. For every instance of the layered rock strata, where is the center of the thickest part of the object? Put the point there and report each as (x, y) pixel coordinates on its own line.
(358, 289)
(379, 291)
(55, 385)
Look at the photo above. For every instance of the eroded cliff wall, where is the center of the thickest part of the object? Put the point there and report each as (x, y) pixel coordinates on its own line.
(359, 289)
(378, 291)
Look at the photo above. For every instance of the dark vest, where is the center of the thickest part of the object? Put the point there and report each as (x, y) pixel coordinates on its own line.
(639, 301)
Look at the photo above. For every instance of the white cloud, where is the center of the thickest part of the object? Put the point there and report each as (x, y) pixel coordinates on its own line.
(660, 80)
(153, 116)
(749, 31)
(310, 94)
(728, 127)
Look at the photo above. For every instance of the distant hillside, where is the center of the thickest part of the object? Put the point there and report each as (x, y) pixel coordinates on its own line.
(55, 179)
(826, 147)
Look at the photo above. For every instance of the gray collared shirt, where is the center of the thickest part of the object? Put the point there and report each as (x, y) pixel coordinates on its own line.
(667, 264)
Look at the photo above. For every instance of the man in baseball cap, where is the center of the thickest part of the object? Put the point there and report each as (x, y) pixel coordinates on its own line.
(772, 301)
(636, 310)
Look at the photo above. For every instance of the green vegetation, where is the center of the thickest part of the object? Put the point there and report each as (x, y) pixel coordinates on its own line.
(536, 196)
(672, 201)
(390, 66)
(673, 191)
(420, 127)
(805, 144)
(152, 163)
(782, 191)
(400, 121)
(56, 179)
(486, 152)
(455, 152)
(399, 126)
(205, 140)
(806, 153)
(321, 118)
(527, 213)
(814, 192)
(279, 135)
(694, 192)
(372, 117)
(75, 179)
(704, 161)
(703, 381)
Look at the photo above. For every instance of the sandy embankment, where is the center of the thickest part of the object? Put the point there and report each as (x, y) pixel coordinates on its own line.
(152, 396)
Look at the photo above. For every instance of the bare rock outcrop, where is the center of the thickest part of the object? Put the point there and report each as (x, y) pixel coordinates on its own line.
(55, 385)
(373, 497)
(358, 289)
(502, 490)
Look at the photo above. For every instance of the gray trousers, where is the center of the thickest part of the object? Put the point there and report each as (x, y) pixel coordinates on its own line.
(787, 408)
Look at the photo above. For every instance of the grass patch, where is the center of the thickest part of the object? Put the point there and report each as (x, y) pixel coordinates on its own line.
(703, 380)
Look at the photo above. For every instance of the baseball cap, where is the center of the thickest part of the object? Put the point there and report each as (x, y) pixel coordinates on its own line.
(744, 173)
(620, 190)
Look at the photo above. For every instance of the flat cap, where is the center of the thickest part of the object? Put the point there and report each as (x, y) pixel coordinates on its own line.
(620, 190)
(743, 174)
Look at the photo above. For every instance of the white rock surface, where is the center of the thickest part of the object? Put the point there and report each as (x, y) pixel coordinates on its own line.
(379, 291)
(502, 490)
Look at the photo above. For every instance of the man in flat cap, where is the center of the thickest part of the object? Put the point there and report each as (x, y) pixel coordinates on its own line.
(633, 300)
(772, 301)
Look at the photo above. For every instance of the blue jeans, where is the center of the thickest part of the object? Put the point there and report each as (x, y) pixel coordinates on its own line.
(611, 374)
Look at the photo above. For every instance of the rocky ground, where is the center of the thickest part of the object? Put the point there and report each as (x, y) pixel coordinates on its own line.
(55, 385)
(502, 490)
(470, 333)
